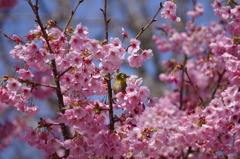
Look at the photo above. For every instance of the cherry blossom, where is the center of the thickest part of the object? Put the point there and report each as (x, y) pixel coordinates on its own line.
(169, 11)
(8, 4)
(198, 11)
(197, 117)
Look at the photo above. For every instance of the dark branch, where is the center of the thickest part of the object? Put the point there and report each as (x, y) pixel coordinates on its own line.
(71, 16)
(9, 37)
(182, 83)
(106, 20)
(110, 98)
(220, 76)
(61, 74)
(195, 88)
(36, 84)
(108, 76)
(150, 22)
(65, 131)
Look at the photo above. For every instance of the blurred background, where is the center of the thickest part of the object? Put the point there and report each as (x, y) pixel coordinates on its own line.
(131, 15)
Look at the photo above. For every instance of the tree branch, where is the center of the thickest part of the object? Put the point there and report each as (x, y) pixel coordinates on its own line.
(108, 76)
(61, 74)
(150, 22)
(9, 37)
(220, 76)
(71, 16)
(106, 20)
(110, 98)
(65, 131)
(182, 84)
(36, 84)
(195, 88)
(188, 152)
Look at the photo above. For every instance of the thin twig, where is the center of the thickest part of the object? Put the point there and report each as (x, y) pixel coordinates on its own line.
(150, 22)
(161, 29)
(38, 20)
(71, 16)
(65, 131)
(59, 27)
(61, 74)
(9, 37)
(194, 3)
(220, 76)
(106, 20)
(182, 84)
(234, 2)
(195, 88)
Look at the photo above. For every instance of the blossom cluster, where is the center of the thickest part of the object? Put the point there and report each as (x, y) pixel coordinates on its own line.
(197, 118)
(9, 130)
(82, 64)
(133, 100)
(137, 60)
(8, 4)
(169, 11)
(209, 126)
(17, 95)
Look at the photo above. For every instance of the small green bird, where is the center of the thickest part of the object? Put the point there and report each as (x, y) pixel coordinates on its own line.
(120, 84)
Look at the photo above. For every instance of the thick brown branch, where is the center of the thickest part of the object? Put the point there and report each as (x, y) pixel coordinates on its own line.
(110, 98)
(188, 152)
(71, 16)
(233, 1)
(65, 131)
(150, 22)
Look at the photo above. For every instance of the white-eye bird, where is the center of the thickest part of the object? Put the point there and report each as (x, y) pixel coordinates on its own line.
(120, 84)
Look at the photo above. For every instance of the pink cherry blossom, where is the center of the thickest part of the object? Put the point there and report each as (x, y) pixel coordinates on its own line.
(197, 116)
(198, 11)
(169, 11)
(135, 60)
(134, 46)
(162, 44)
(8, 4)
(143, 93)
(236, 11)
(124, 33)
(13, 85)
(25, 74)
(81, 30)
(233, 27)
(147, 54)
